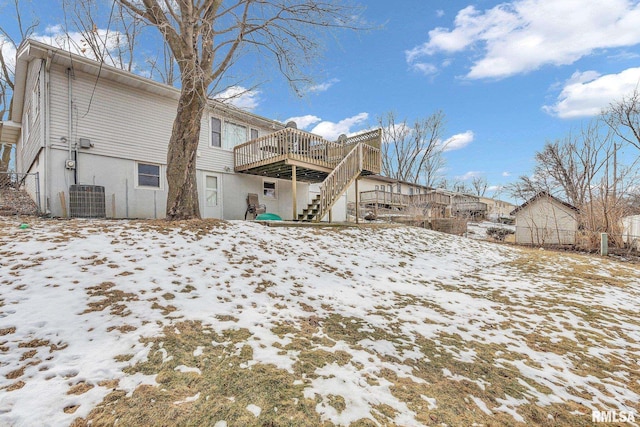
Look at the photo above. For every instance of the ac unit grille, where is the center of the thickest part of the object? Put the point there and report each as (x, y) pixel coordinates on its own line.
(86, 201)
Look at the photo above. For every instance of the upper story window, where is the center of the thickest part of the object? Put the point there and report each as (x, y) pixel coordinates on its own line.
(234, 135)
(227, 135)
(216, 132)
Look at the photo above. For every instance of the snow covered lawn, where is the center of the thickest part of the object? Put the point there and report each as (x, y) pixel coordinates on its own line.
(226, 324)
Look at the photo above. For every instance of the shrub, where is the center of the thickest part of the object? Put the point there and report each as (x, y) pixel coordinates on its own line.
(499, 233)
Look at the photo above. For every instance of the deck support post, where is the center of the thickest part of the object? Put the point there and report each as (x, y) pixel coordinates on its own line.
(357, 203)
(294, 192)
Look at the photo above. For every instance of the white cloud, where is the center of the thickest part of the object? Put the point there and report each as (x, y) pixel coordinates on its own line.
(322, 87)
(303, 122)
(8, 53)
(331, 131)
(75, 42)
(469, 175)
(425, 68)
(506, 173)
(587, 94)
(523, 35)
(240, 97)
(458, 141)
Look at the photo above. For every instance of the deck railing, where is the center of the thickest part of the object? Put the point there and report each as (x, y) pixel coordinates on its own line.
(469, 206)
(396, 199)
(286, 143)
(300, 145)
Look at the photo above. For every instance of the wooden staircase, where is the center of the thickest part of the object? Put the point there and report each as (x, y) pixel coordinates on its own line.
(311, 211)
(348, 170)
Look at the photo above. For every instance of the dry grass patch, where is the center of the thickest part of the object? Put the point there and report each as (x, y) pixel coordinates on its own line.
(113, 298)
(225, 386)
(80, 388)
(7, 331)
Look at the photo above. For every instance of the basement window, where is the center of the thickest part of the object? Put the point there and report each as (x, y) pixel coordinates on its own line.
(270, 189)
(148, 175)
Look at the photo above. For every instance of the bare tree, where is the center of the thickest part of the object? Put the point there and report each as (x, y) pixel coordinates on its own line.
(8, 47)
(479, 185)
(584, 170)
(112, 38)
(623, 117)
(412, 152)
(206, 38)
(568, 167)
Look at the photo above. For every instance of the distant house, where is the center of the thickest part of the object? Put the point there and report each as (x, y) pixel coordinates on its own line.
(468, 206)
(631, 231)
(497, 209)
(388, 196)
(546, 220)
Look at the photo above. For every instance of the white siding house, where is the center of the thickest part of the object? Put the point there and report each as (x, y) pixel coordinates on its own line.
(86, 124)
(546, 220)
(631, 231)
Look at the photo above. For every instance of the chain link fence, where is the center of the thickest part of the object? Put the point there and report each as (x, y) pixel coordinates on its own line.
(20, 193)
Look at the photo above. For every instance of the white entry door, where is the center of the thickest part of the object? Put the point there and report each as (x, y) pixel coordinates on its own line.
(212, 196)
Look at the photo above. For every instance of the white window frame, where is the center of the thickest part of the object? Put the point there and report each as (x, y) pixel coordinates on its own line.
(253, 131)
(148, 187)
(208, 189)
(275, 189)
(225, 130)
(211, 131)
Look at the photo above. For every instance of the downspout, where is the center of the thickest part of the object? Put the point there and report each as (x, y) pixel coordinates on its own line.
(70, 122)
(45, 103)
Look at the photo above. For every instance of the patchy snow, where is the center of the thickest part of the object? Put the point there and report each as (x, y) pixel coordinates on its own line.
(483, 406)
(76, 295)
(185, 369)
(254, 409)
(188, 399)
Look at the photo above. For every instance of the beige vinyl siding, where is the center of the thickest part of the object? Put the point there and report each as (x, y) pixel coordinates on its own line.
(120, 121)
(546, 222)
(32, 116)
(127, 122)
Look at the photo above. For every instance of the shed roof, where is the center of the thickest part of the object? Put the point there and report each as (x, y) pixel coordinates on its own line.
(540, 195)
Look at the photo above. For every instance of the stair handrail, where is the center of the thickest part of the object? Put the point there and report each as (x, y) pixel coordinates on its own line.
(339, 179)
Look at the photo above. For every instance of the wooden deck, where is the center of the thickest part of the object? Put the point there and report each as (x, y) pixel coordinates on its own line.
(314, 158)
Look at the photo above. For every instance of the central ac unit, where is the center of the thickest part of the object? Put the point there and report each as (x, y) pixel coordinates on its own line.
(86, 201)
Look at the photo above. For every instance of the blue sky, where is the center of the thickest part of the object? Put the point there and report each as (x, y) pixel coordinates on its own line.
(508, 75)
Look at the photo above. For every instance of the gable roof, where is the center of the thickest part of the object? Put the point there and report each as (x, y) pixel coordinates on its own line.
(540, 195)
(30, 50)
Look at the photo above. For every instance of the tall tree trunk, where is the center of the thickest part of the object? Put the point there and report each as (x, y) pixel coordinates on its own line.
(182, 198)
